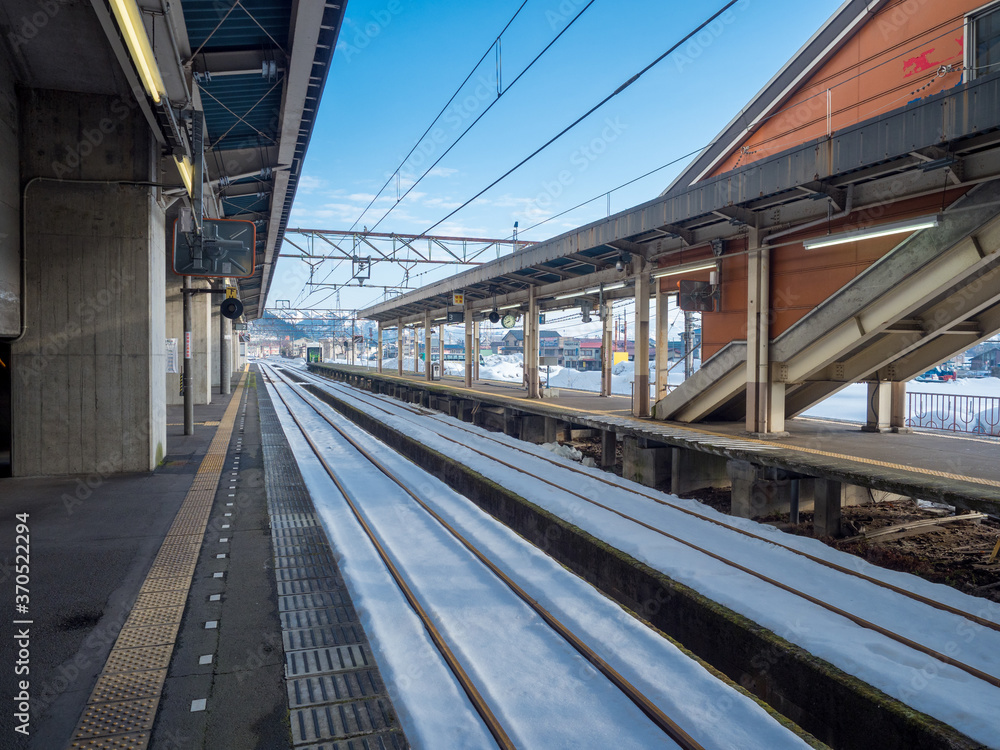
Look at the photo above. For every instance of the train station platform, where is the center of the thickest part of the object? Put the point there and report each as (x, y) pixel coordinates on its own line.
(956, 469)
(166, 609)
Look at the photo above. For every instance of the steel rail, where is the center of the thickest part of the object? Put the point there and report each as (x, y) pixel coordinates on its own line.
(650, 709)
(478, 702)
(856, 619)
(695, 514)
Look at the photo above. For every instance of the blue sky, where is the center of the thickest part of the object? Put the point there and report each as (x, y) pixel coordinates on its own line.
(398, 61)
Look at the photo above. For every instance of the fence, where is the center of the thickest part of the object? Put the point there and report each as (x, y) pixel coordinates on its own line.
(979, 415)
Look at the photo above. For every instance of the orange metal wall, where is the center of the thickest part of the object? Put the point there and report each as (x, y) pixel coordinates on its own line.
(890, 61)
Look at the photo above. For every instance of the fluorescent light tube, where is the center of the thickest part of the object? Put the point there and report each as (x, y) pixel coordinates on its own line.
(882, 230)
(510, 307)
(570, 295)
(186, 170)
(678, 270)
(132, 28)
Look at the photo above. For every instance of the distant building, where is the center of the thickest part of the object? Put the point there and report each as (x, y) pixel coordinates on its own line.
(565, 350)
(986, 359)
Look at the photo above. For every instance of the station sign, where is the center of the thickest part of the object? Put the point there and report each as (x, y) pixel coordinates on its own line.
(226, 248)
(456, 316)
(239, 326)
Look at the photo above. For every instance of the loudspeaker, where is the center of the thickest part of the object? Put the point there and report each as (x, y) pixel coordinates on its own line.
(231, 308)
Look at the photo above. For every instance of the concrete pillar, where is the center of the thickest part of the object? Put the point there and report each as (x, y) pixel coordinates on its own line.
(758, 490)
(879, 407)
(826, 510)
(648, 465)
(531, 350)
(470, 355)
(764, 395)
(897, 419)
(88, 392)
(640, 387)
(475, 350)
(378, 350)
(695, 470)
(607, 332)
(202, 344)
(609, 442)
(399, 347)
(554, 429)
(532, 428)
(416, 351)
(428, 330)
(215, 329)
(662, 342)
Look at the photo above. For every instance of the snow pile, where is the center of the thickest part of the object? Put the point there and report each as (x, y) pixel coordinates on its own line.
(566, 451)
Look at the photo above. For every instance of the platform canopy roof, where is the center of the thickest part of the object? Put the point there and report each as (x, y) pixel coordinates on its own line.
(255, 68)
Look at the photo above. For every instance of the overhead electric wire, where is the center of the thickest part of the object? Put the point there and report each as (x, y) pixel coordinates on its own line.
(590, 111)
(438, 116)
(481, 115)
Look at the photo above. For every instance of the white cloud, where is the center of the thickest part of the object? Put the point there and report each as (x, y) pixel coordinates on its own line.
(308, 183)
(442, 172)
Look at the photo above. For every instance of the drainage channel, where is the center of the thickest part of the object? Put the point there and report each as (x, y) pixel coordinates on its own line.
(335, 690)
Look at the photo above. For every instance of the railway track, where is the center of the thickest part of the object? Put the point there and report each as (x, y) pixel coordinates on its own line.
(943, 634)
(318, 426)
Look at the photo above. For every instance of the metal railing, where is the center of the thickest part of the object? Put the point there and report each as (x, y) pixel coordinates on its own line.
(979, 415)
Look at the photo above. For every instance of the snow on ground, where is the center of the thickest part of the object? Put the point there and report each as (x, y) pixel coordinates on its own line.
(942, 691)
(848, 404)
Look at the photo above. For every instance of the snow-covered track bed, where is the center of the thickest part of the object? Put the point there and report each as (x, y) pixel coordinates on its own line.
(484, 640)
(925, 645)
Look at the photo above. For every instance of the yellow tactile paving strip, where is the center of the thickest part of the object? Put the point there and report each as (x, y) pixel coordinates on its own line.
(122, 706)
(709, 433)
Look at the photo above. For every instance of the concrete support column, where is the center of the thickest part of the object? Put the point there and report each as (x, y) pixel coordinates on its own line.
(475, 350)
(897, 419)
(757, 490)
(765, 397)
(428, 330)
(90, 371)
(225, 354)
(416, 351)
(531, 350)
(378, 350)
(662, 342)
(648, 465)
(399, 347)
(202, 346)
(695, 470)
(470, 355)
(826, 500)
(609, 441)
(607, 332)
(879, 407)
(640, 387)
(215, 339)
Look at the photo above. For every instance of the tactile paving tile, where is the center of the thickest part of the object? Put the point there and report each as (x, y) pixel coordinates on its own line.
(139, 659)
(161, 599)
(154, 616)
(172, 569)
(154, 635)
(128, 685)
(166, 583)
(116, 718)
(130, 741)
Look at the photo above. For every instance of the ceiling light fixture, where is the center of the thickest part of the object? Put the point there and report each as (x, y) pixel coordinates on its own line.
(678, 270)
(882, 230)
(132, 28)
